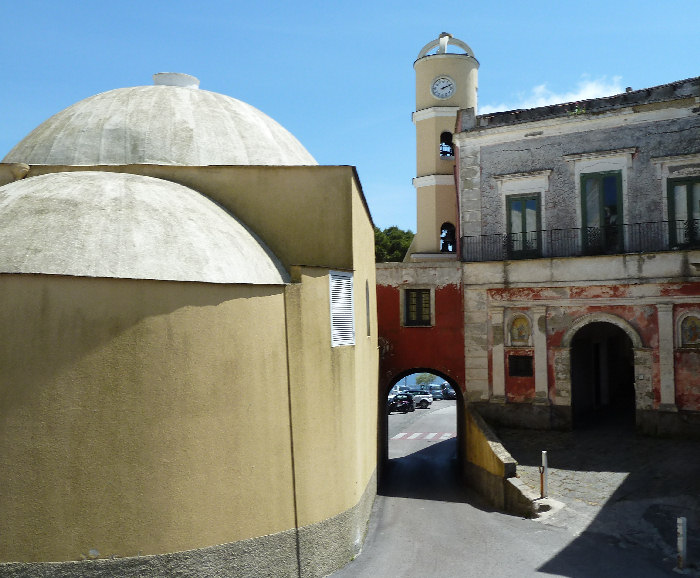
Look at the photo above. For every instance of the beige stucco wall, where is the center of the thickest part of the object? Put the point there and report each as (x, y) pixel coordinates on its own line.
(436, 205)
(140, 416)
(428, 159)
(301, 212)
(144, 417)
(461, 68)
(333, 389)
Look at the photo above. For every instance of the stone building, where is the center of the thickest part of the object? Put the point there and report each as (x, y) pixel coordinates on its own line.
(189, 341)
(555, 274)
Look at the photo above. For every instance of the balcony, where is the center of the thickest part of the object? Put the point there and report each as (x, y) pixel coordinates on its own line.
(609, 240)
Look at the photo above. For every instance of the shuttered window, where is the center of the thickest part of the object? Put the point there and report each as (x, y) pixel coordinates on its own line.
(417, 304)
(342, 309)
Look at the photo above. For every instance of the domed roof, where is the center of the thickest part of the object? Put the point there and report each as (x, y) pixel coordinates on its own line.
(170, 123)
(102, 224)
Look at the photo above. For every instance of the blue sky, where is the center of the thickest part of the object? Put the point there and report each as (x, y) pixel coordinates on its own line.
(339, 75)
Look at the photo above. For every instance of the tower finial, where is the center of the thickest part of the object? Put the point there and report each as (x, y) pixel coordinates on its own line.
(444, 39)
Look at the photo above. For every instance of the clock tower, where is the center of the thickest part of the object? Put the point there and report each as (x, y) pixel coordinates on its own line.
(445, 83)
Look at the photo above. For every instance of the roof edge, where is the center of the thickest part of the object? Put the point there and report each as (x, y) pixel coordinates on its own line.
(677, 90)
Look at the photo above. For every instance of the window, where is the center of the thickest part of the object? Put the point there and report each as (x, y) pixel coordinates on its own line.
(523, 215)
(684, 211)
(368, 319)
(342, 309)
(447, 238)
(446, 146)
(520, 366)
(601, 209)
(417, 307)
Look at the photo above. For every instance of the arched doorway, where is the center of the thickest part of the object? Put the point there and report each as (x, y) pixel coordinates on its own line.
(602, 375)
(406, 380)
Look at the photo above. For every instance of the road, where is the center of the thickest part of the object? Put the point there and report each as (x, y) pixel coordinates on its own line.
(426, 524)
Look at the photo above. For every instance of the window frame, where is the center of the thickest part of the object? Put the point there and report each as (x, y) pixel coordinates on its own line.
(607, 232)
(693, 231)
(525, 251)
(423, 321)
(521, 366)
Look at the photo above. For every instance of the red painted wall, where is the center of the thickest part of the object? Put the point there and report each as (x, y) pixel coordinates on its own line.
(440, 347)
(519, 389)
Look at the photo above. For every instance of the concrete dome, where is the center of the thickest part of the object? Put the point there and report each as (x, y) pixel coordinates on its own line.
(102, 224)
(171, 124)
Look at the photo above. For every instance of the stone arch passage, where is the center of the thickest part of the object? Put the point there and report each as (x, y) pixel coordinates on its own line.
(602, 374)
(643, 366)
(383, 425)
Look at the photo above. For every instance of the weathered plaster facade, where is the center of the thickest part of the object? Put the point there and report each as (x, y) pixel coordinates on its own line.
(641, 282)
(579, 262)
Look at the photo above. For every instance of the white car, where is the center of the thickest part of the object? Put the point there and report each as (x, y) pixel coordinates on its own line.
(422, 399)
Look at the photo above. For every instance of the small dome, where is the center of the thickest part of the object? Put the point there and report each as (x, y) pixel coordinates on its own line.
(170, 123)
(102, 224)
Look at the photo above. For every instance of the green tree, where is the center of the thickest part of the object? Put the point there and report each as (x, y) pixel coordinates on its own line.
(391, 244)
(424, 379)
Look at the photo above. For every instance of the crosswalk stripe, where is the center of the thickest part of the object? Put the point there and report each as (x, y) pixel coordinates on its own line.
(434, 436)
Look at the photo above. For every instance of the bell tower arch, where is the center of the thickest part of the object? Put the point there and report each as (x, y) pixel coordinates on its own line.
(446, 81)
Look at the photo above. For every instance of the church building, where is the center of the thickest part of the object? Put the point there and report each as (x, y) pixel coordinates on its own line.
(554, 278)
(189, 344)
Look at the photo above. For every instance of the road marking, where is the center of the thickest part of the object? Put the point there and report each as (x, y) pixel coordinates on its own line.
(433, 436)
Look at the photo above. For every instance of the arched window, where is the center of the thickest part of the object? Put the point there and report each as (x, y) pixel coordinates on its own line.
(446, 148)
(690, 331)
(447, 238)
(520, 331)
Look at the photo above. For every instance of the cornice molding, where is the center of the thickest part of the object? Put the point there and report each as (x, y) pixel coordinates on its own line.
(433, 180)
(434, 112)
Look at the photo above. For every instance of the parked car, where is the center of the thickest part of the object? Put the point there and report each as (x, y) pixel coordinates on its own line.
(422, 399)
(448, 393)
(401, 402)
(436, 391)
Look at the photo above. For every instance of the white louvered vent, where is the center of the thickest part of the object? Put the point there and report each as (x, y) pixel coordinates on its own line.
(342, 309)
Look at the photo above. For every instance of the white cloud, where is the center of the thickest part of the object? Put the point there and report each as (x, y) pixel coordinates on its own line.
(541, 95)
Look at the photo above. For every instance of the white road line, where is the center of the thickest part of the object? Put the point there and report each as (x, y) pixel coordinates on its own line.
(434, 436)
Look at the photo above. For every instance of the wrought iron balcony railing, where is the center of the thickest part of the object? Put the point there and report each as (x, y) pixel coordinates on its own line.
(608, 240)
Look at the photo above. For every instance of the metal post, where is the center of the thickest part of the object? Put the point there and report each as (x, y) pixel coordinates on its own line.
(543, 476)
(682, 527)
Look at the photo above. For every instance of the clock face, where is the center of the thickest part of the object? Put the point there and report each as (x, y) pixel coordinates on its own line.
(443, 87)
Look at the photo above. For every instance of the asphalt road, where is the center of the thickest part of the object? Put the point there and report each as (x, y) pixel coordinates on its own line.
(426, 524)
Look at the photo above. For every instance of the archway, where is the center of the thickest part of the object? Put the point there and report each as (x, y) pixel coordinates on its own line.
(383, 419)
(602, 375)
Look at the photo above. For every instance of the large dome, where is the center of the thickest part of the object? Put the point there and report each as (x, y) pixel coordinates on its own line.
(170, 123)
(103, 224)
